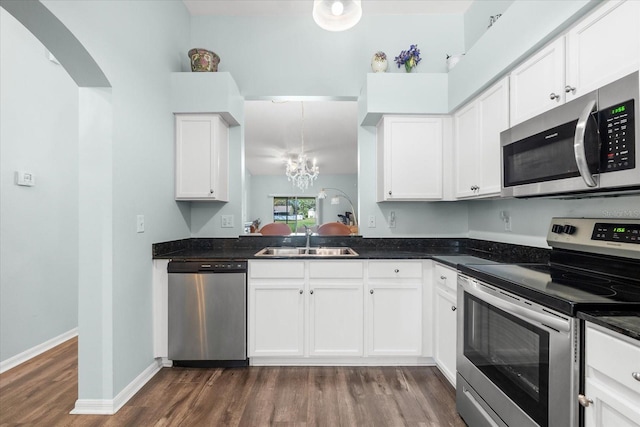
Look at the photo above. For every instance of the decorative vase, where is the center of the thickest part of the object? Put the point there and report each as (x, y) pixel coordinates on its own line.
(409, 65)
(379, 62)
(203, 60)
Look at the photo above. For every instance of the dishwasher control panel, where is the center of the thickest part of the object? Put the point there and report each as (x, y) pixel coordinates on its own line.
(207, 267)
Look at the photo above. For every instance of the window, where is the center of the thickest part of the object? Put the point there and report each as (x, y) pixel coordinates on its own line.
(295, 211)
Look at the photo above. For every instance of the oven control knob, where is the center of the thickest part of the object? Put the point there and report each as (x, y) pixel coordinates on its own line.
(569, 229)
(557, 228)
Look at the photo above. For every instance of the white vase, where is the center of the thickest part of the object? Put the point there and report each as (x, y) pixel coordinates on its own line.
(379, 64)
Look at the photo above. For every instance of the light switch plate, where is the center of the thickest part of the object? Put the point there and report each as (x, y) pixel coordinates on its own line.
(140, 224)
(226, 221)
(26, 179)
(372, 221)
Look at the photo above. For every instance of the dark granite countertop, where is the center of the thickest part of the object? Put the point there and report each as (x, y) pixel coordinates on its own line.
(623, 322)
(450, 251)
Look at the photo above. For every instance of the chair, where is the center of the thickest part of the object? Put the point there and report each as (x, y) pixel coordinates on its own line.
(275, 229)
(334, 229)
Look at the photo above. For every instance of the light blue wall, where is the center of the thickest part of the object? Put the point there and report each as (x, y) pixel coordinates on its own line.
(39, 225)
(476, 19)
(137, 44)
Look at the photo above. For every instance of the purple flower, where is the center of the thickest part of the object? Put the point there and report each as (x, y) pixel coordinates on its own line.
(412, 56)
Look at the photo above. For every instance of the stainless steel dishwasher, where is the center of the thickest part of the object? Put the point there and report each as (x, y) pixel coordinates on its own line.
(208, 313)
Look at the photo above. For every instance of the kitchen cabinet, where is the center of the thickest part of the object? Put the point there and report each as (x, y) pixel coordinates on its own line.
(335, 308)
(537, 85)
(202, 159)
(477, 128)
(602, 47)
(409, 158)
(394, 308)
(612, 387)
(276, 308)
(445, 320)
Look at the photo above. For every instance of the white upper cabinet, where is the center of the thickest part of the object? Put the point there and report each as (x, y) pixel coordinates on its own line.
(477, 128)
(202, 162)
(409, 151)
(603, 47)
(537, 85)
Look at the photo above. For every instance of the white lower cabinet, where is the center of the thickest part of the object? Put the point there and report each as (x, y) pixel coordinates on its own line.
(336, 311)
(445, 308)
(612, 384)
(395, 308)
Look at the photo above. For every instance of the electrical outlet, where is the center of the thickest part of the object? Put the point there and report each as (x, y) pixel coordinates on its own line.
(372, 221)
(140, 224)
(26, 179)
(507, 223)
(392, 219)
(227, 221)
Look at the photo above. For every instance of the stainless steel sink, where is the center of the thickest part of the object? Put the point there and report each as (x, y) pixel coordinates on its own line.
(304, 252)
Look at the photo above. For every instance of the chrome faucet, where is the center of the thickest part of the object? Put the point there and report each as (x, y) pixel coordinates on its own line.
(308, 233)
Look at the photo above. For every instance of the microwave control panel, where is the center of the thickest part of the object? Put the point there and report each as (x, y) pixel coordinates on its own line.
(617, 129)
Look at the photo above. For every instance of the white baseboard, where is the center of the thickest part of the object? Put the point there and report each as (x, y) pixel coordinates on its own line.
(111, 406)
(26, 355)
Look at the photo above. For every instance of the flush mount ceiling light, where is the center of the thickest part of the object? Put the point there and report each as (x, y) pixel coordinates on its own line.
(337, 15)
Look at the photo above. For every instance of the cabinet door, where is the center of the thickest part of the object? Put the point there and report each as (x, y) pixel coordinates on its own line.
(493, 108)
(395, 319)
(445, 336)
(335, 319)
(603, 47)
(608, 408)
(201, 157)
(466, 150)
(537, 85)
(411, 159)
(276, 319)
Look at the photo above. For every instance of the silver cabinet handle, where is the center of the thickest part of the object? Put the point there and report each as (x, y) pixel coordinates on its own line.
(443, 277)
(578, 144)
(301, 291)
(569, 89)
(636, 376)
(454, 308)
(553, 96)
(311, 291)
(389, 192)
(371, 291)
(396, 271)
(584, 400)
(210, 191)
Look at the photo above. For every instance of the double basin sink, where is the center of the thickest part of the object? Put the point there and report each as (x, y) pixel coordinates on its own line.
(306, 252)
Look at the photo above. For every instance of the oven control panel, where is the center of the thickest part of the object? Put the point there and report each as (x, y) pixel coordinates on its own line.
(607, 236)
(615, 232)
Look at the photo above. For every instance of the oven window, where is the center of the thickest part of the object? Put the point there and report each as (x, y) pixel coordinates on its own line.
(512, 353)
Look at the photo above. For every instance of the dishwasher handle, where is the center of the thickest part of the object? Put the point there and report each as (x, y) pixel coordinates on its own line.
(207, 267)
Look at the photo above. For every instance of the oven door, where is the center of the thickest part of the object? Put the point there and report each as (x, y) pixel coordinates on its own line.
(519, 359)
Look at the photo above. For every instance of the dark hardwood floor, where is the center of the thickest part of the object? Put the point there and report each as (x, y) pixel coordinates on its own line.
(42, 391)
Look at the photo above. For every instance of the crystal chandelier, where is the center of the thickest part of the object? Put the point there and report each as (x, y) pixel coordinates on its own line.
(299, 172)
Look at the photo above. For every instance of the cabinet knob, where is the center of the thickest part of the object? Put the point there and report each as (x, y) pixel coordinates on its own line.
(210, 191)
(584, 400)
(443, 277)
(371, 291)
(553, 96)
(636, 376)
(569, 89)
(311, 291)
(301, 291)
(454, 308)
(396, 271)
(389, 192)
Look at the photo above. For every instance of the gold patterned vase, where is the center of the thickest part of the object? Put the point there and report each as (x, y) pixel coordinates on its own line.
(203, 60)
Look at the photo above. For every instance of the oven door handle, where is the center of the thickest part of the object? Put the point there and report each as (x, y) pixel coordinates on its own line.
(578, 144)
(521, 312)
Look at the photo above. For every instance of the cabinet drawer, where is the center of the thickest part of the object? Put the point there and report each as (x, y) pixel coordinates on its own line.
(335, 269)
(276, 269)
(446, 277)
(395, 269)
(600, 346)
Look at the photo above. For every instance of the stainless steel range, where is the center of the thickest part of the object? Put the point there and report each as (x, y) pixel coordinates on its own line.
(518, 341)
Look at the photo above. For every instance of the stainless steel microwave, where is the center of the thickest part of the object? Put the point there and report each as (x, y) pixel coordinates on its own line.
(586, 147)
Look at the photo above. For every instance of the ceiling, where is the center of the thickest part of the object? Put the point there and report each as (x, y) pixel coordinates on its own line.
(301, 7)
(272, 128)
(273, 135)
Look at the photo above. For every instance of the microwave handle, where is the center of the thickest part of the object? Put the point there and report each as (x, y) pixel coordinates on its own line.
(578, 144)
